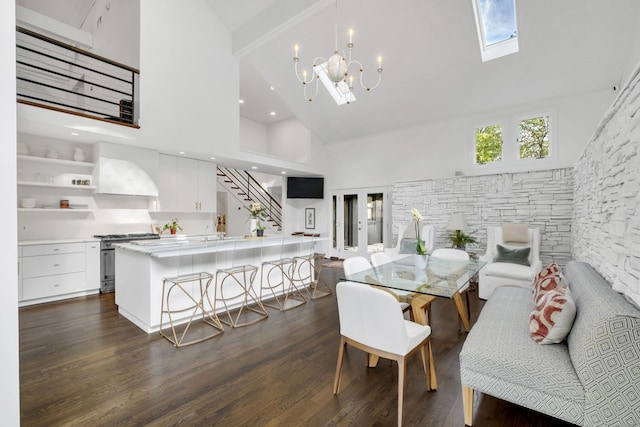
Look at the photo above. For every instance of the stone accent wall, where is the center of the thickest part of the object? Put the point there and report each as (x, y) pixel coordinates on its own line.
(542, 199)
(606, 221)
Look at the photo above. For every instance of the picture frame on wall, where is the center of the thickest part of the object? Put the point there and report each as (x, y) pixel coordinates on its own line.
(310, 218)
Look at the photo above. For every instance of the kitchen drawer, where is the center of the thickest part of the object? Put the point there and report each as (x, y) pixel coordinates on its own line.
(56, 248)
(60, 284)
(36, 266)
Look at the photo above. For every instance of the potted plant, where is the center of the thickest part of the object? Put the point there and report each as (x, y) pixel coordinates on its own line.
(259, 228)
(257, 212)
(460, 240)
(172, 226)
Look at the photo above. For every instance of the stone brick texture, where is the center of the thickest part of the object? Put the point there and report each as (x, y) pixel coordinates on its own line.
(606, 205)
(541, 199)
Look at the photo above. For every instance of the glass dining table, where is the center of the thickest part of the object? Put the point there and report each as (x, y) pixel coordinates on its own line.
(440, 277)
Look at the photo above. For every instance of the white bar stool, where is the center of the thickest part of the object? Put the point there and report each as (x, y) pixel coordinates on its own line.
(180, 291)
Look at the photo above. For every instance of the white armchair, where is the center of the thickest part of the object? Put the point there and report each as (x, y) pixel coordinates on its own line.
(496, 274)
(407, 240)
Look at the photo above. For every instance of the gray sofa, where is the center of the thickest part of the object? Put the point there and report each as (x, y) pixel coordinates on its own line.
(591, 379)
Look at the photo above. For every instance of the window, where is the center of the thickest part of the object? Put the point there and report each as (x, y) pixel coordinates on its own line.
(516, 140)
(497, 29)
(488, 144)
(534, 138)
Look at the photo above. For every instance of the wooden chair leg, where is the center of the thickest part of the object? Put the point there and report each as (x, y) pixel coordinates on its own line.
(336, 381)
(426, 364)
(467, 402)
(402, 369)
(468, 305)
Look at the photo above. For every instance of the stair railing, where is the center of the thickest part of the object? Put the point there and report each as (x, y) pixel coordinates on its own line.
(246, 186)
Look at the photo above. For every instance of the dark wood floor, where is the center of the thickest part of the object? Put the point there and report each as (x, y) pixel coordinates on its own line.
(83, 364)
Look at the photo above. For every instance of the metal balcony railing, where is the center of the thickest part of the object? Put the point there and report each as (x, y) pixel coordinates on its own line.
(55, 75)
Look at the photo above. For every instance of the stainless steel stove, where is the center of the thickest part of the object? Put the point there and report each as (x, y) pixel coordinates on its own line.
(108, 256)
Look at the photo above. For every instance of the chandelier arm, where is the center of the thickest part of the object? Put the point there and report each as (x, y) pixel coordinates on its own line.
(367, 88)
(308, 98)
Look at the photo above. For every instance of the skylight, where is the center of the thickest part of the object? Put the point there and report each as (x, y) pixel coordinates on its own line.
(497, 28)
(340, 92)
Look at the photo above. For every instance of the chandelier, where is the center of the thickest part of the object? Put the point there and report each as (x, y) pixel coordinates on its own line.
(335, 72)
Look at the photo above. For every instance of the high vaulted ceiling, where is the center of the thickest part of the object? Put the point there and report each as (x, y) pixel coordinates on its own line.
(432, 65)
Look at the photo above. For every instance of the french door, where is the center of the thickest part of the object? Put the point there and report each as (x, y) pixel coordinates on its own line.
(359, 220)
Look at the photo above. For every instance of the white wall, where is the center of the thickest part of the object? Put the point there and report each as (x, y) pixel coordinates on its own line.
(438, 150)
(9, 359)
(111, 39)
(289, 139)
(253, 135)
(188, 79)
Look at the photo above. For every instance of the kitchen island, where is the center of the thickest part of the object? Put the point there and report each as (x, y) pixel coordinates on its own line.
(143, 265)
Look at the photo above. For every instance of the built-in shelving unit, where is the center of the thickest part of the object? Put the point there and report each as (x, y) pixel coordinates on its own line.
(54, 185)
(49, 180)
(69, 210)
(55, 161)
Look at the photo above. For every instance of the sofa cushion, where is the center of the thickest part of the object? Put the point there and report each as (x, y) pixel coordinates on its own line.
(509, 271)
(514, 256)
(551, 319)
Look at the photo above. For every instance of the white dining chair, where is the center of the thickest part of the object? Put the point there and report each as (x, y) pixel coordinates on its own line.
(456, 254)
(370, 320)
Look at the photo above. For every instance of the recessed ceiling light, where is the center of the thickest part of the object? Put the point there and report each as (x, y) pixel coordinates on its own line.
(272, 88)
(283, 172)
(75, 133)
(241, 101)
(181, 152)
(273, 113)
(212, 158)
(254, 167)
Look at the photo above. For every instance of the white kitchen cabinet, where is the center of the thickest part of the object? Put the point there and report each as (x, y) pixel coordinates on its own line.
(49, 272)
(186, 185)
(92, 263)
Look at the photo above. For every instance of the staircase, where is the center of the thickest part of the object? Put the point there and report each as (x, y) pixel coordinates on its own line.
(246, 189)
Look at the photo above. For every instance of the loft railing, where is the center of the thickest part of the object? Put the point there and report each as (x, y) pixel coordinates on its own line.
(55, 75)
(250, 190)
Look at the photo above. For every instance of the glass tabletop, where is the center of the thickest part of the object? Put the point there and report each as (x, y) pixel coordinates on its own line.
(441, 277)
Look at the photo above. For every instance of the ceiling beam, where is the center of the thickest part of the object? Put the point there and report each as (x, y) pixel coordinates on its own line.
(281, 16)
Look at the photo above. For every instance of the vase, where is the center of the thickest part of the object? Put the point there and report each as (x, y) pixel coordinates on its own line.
(78, 155)
(253, 224)
(173, 231)
(420, 261)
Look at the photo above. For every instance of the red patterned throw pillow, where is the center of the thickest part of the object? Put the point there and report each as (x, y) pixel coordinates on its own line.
(552, 318)
(547, 284)
(551, 270)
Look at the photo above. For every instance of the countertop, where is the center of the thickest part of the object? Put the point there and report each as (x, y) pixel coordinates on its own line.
(57, 241)
(194, 245)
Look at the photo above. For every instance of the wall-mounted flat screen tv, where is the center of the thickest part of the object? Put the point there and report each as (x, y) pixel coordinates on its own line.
(305, 187)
